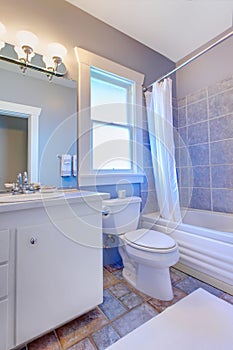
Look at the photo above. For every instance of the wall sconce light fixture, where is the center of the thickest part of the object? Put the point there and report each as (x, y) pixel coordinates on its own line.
(25, 56)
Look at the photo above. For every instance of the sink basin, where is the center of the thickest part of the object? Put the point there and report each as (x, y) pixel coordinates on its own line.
(9, 198)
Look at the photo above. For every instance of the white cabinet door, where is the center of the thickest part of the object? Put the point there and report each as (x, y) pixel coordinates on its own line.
(4, 257)
(57, 278)
(4, 245)
(3, 281)
(3, 324)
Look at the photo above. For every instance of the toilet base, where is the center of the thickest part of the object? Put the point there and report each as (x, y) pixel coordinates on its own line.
(129, 276)
(153, 282)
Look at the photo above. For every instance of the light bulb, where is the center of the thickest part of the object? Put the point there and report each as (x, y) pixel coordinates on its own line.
(26, 38)
(57, 50)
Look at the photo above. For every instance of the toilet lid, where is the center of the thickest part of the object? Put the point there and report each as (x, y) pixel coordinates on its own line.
(150, 239)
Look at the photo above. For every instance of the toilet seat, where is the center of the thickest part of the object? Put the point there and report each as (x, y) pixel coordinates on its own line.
(150, 240)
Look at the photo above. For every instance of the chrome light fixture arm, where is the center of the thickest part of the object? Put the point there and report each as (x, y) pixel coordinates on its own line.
(25, 64)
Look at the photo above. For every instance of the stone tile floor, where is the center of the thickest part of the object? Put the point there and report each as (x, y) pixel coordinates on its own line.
(122, 310)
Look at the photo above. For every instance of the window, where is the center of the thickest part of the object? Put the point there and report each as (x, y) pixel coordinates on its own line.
(110, 121)
(111, 116)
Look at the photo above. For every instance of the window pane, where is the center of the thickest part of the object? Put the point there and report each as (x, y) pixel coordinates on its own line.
(110, 97)
(111, 147)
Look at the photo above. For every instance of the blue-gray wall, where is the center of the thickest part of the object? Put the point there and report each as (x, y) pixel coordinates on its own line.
(57, 20)
(73, 27)
(211, 67)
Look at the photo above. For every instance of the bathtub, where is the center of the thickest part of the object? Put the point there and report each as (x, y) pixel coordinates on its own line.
(205, 242)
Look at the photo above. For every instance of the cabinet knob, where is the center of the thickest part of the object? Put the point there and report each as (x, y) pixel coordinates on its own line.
(33, 240)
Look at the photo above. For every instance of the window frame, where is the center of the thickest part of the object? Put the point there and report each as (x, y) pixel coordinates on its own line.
(87, 175)
(128, 85)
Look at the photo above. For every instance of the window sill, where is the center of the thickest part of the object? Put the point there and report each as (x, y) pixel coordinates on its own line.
(110, 179)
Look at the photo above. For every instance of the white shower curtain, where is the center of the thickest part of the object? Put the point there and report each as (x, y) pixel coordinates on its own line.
(160, 127)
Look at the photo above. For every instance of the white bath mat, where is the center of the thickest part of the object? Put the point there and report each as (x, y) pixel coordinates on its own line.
(200, 321)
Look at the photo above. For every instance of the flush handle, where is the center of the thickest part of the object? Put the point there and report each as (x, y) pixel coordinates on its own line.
(106, 212)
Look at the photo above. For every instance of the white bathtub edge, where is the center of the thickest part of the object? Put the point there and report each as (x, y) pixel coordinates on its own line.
(213, 265)
(205, 278)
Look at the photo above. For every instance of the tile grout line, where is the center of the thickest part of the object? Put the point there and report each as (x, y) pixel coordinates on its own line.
(210, 155)
(56, 336)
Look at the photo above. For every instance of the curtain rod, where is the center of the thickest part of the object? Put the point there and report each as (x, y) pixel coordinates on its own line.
(190, 59)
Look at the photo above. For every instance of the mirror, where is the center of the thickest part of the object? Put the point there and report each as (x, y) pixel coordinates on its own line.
(46, 105)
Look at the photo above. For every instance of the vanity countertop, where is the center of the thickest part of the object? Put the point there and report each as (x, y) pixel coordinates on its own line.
(9, 202)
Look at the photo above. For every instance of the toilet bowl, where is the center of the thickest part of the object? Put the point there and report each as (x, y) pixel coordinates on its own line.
(153, 252)
(146, 254)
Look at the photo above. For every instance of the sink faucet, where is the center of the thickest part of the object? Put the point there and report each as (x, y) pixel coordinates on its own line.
(20, 179)
(25, 181)
(22, 186)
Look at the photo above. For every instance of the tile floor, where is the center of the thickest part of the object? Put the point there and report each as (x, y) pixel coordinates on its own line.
(123, 310)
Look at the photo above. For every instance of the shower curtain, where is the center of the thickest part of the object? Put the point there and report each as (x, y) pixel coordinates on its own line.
(160, 127)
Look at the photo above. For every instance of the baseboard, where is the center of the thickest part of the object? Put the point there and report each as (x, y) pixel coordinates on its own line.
(205, 278)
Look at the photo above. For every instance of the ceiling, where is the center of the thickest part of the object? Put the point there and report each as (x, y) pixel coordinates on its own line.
(173, 28)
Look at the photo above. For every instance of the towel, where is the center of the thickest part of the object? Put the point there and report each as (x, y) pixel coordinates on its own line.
(65, 166)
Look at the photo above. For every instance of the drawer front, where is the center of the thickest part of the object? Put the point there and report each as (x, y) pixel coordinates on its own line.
(4, 245)
(3, 323)
(3, 281)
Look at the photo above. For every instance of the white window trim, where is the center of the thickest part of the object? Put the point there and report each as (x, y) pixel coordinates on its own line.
(87, 177)
(32, 114)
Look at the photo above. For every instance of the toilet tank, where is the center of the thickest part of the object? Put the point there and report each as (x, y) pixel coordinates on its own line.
(121, 215)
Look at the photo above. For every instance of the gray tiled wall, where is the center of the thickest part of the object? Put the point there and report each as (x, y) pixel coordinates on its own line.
(204, 147)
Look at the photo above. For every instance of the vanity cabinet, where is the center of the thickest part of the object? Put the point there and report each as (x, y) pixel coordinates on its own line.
(4, 267)
(51, 269)
(3, 322)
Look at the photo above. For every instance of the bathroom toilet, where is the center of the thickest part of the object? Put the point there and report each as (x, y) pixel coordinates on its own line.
(146, 254)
